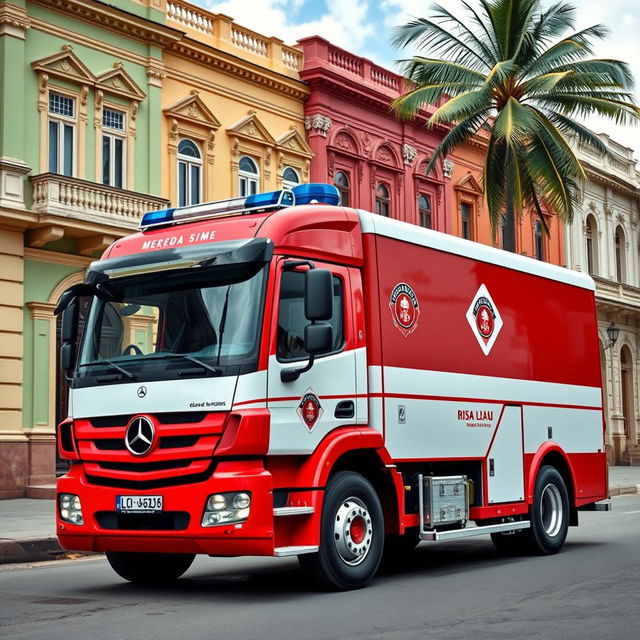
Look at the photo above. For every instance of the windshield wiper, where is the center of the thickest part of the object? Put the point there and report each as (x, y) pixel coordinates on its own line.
(185, 356)
(113, 364)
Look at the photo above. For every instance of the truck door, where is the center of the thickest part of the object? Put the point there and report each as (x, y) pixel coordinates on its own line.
(305, 410)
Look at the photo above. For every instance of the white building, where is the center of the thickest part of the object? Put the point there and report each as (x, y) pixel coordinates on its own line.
(603, 241)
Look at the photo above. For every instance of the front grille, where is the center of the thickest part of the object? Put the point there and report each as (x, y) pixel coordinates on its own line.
(145, 467)
(165, 521)
(168, 442)
(111, 421)
(143, 485)
(180, 417)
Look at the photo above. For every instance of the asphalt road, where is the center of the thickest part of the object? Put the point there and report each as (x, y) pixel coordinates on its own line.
(451, 590)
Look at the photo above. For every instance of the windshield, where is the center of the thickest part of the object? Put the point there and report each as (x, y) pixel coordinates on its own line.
(168, 324)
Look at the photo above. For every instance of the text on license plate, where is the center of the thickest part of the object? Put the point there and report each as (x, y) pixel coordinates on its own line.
(141, 504)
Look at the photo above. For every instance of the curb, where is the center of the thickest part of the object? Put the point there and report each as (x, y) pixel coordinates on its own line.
(29, 550)
(624, 490)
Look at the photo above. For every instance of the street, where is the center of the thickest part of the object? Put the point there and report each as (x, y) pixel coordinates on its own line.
(444, 590)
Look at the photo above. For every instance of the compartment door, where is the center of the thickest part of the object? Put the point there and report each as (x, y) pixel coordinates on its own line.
(505, 459)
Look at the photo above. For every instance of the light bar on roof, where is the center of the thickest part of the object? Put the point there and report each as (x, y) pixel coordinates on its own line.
(301, 194)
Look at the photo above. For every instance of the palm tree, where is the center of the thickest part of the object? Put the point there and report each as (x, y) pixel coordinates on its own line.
(509, 68)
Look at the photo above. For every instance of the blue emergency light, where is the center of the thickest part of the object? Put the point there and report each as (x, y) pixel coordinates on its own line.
(302, 194)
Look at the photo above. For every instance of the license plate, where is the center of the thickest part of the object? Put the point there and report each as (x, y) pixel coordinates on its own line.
(139, 504)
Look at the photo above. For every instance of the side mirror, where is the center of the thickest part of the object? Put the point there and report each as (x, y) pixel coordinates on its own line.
(318, 338)
(70, 322)
(318, 294)
(67, 356)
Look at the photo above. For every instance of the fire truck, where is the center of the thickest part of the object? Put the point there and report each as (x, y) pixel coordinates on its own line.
(278, 375)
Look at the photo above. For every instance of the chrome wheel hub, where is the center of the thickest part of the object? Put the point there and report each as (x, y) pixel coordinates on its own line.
(352, 531)
(551, 510)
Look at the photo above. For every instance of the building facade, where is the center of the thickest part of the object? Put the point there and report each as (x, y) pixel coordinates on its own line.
(123, 107)
(378, 162)
(603, 241)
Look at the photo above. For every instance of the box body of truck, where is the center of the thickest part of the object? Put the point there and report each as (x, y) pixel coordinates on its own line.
(197, 426)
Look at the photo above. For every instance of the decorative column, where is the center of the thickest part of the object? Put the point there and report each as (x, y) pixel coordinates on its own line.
(317, 126)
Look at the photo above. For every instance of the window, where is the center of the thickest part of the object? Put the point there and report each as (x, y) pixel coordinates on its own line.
(248, 176)
(591, 232)
(424, 211)
(341, 182)
(620, 255)
(189, 173)
(61, 134)
(113, 147)
(292, 321)
(290, 178)
(465, 217)
(382, 200)
(538, 240)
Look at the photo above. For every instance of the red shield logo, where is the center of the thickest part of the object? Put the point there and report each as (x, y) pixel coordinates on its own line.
(310, 409)
(405, 308)
(485, 319)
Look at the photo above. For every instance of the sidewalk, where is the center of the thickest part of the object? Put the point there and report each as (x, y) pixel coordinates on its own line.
(27, 526)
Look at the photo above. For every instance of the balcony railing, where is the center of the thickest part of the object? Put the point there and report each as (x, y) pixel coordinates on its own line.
(83, 200)
(222, 32)
(617, 292)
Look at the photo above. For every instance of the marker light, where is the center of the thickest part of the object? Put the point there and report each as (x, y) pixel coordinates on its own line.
(301, 194)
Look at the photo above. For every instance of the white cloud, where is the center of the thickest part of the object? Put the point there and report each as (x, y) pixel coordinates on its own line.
(346, 23)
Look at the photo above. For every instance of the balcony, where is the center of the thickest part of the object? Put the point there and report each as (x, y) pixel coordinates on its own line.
(616, 295)
(84, 201)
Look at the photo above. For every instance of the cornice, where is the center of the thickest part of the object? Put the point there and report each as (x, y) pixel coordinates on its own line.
(609, 180)
(13, 20)
(108, 17)
(217, 59)
(54, 257)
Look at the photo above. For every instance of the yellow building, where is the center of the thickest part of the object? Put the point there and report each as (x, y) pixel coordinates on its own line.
(233, 110)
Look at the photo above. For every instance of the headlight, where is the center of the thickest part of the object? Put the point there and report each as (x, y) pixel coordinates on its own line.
(217, 510)
(70, 508)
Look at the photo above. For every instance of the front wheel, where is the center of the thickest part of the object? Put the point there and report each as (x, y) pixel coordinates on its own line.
(149, 568)
(351, 534)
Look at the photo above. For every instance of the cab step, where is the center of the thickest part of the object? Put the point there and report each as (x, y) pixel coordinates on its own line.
(294, 551)
(292, 511)
(469, 532)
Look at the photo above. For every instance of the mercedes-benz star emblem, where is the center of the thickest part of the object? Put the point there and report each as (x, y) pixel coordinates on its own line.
(142, 392)
(139, 436)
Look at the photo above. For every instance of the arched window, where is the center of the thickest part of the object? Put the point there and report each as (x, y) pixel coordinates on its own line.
(382, 200)
(591, 232)
(626, 392)
(290, 178)
(620, 255)
(189, 173)
(424, 211)
(248, 176)
(341, 181)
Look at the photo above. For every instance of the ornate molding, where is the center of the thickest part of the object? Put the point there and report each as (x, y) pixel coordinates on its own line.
(447, 167)
(14, 21)
(318, 124)
(409, 153)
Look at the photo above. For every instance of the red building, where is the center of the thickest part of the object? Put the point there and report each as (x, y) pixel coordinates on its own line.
(378, 162)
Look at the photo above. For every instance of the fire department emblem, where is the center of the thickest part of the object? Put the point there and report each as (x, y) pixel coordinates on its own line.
(310, 409)
(405, 309)
(484, 319)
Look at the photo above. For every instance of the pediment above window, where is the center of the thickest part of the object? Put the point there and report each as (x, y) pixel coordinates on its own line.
(469, 184)
(193, 109)
(66, 65)
(117, 81)
(293, 142)
(250, 128)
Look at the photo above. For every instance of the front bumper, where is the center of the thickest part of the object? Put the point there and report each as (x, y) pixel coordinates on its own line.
(255, 536)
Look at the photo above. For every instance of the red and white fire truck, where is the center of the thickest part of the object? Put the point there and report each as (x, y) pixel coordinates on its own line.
(279, 375)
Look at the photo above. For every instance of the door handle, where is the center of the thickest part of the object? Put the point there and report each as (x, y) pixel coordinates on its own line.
(345, 409)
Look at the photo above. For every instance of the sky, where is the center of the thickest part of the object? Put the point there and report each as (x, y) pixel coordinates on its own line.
(364, 28)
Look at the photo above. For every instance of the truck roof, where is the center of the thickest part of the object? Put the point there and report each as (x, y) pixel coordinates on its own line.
(379, 225)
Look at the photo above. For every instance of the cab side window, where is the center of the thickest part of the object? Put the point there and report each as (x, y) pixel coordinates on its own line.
(292, 321)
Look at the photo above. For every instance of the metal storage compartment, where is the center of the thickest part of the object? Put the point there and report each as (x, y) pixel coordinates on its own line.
(444, 500)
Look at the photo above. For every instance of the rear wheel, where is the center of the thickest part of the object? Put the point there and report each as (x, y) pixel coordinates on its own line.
(351, 534)
(549, 512)
(149, 568)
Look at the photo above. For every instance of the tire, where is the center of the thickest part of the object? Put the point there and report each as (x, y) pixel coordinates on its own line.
(549, 513)
(149, 568)
(351, 535)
